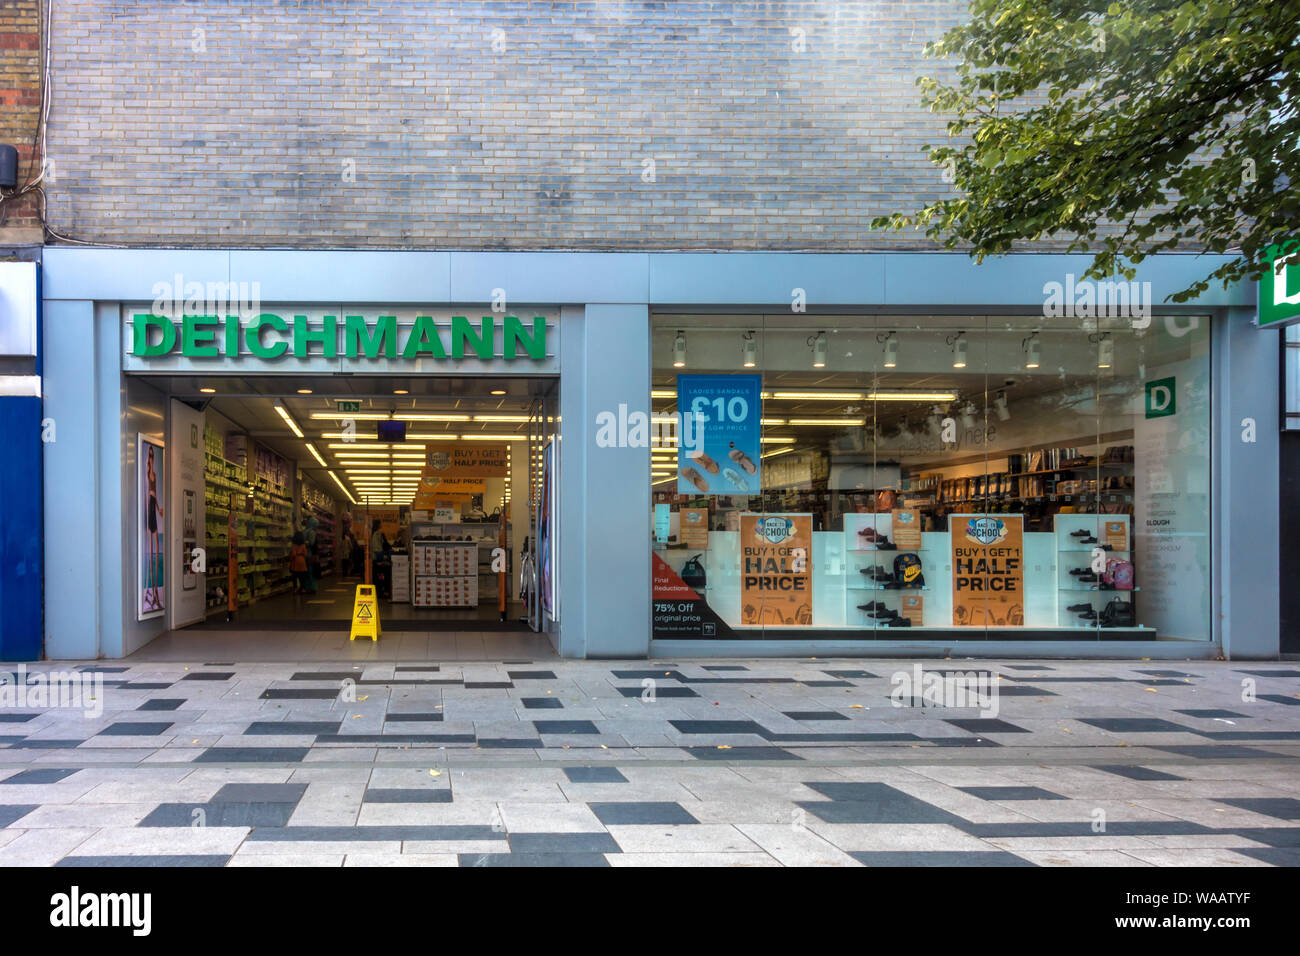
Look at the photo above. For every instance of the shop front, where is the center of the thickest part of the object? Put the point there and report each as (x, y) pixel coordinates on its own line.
(868, 454)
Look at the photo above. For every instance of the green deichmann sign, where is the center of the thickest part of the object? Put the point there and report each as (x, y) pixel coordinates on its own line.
(1279, 286)
(270, 336)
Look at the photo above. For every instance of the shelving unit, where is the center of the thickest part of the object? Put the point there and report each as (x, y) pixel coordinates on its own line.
(866, 594)
(319, 505)
(1074, 555)
(483, 535)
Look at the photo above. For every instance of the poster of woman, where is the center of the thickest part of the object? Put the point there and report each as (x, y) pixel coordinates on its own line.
(151, 592)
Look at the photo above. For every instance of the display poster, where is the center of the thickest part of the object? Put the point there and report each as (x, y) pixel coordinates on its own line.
(151, 590)
(454, 472)
(776, 570)
(694, 528)
(988, 570)
(680, 610)
(185, 524)
(389, 518)
(718, 441)
(189, 580)
(663, 522)
(905, 524)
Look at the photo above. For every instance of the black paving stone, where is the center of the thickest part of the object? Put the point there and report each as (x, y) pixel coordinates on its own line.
(1211, 713)
(1166, 673)
(41, 775)
(861, 675)
(998, 831)
(297, 693)
(531, 675)
(594, 775)
(938, 858)
(1281, 699)
(1276, 856)
(429, 718)
(8, 718)
(724, 667)
(12, 812)
(409, 795)
(542, 703)
(1027, 667)
(1023, 690)
(379, 833)
(253, 755)
(209, 675)
(1283, 808)
(659, 692)
(213, 814)
(1213, 752)
(872, 803)
(285, 727)
(543, 860)
(633, 813)
(962, 742)
(142, 686)
(826, 683)
(32, 743)
(489, 685)
(1135, 725)
(1137, 773)
(138, 728)
(1011, 793)
(416, 668)
(1284, 672)
(565, 727)
(260, 793)
(563, 843)
(395, 738)
(332, 676)
(813, 715)
(162, 704)
(114, 862)
(509, 743)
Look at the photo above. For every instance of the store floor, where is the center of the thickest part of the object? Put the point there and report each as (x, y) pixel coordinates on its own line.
(331, 607)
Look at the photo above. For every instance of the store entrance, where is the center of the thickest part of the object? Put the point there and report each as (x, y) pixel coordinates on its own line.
(428, 488)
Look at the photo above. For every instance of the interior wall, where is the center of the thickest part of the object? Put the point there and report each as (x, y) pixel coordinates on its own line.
(144, 412)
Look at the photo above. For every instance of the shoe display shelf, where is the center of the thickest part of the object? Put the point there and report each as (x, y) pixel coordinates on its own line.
(1081, 592)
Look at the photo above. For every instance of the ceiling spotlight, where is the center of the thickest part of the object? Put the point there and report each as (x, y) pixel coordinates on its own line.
(304, 391)
(748, 349)
(1033, 351)
(1000, 406)
(679, 350)
(208, 391)
(968, 415)
(819, 349)
(1105, 351)
(401, 391)
(498, 391)
(959, 349)
(891, 350)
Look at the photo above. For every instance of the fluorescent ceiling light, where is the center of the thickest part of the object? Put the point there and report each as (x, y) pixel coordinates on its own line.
(344, 416)
(293, 426)
(663, 393)
(500, 418)
(425, 417)
(494, 438)
(904, 396)
(777, 439)
(827, 421)
(776, 451)
(315, 454)
(772, 421)
(820, 396)
(341, 486)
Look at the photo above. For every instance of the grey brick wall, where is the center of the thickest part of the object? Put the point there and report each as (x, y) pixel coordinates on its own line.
(496, 125)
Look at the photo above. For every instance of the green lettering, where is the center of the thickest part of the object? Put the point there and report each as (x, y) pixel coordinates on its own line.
(140, 324)
(424, 338)
(232, 336)
(513, 335)
(253, 336)
(462, 331)
(199, 336)
(328, 336)
(358, 336)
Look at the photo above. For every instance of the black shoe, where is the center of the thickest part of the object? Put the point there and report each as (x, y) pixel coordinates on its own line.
(1088, 540)
(884, 544)
(1079, 608)
(1078, 571)
(885, 615)
(899, 622)
(1089, 578)
(871, 606)
(1081, 533)
(892, 586)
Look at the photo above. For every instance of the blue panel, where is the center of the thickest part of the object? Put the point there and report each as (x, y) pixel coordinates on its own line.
(330, 276)
(70, 513)
(766, 278)
(125, 274)
(549, 277)
(953, 279)
(20, 530)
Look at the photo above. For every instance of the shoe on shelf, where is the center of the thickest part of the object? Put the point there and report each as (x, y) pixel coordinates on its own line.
(1079, 608)
(1081, 533)
(870, 534)
(872, 606)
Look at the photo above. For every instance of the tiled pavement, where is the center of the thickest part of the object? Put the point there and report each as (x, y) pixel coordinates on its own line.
(748, 763)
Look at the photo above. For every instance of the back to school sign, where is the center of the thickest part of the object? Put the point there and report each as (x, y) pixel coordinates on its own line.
(776, 569)
(988, 570)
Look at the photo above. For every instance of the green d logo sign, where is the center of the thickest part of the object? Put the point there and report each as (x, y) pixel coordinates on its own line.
(1162, 398)
(1279, 287)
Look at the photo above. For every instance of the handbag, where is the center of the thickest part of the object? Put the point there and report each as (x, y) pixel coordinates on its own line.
(1117, 613)
(692, 573)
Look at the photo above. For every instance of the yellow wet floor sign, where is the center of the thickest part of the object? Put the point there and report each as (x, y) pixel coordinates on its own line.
(365, 614)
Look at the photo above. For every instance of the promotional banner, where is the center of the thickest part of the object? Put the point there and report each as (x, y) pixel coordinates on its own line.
(776, 570)
(185, 522)
(988, 581)
(694, 528)
(151, 591)
(718, 441)
(454, 472)
(679, 606)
